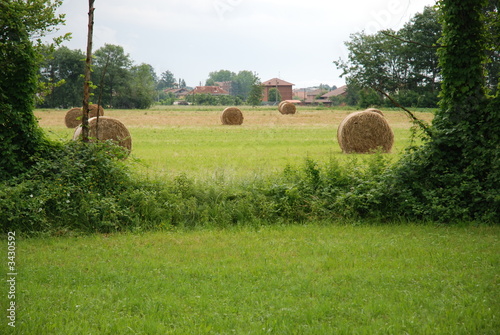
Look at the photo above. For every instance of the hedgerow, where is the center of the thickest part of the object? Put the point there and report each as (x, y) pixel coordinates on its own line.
(87, 187)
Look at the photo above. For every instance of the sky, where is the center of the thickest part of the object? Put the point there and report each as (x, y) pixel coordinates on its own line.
(294, 40)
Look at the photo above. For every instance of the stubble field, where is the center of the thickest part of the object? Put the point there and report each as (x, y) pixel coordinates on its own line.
(192, 140)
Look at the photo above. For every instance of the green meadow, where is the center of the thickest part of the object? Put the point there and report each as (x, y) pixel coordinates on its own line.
(323, 278)
(192, 140)
(316, 277)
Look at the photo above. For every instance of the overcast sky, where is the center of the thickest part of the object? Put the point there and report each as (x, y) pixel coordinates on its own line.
(295, 40)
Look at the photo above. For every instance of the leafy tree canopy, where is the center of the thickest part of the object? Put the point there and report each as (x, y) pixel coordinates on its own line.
(397, 61)
(20, 137)
(167, 80)
(219, 76)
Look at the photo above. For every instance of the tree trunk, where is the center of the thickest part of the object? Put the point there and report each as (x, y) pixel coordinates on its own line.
(86, 83)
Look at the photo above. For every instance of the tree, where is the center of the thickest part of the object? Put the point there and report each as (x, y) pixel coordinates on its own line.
(394, 62)
(142, 88)
(242, 84)
(455, 175)
(38, 17)
(21, 139)
(374, 62)
(274, 95)
(167, 80)
(219, 76)
(421, 35)
(491, 18)
(64, 66)
(256, 92)
(112, 67)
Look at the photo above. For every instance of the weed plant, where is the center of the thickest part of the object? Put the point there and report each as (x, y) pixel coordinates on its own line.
(88, 188)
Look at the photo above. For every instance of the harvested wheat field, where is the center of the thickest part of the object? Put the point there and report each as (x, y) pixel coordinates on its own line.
(191, 139)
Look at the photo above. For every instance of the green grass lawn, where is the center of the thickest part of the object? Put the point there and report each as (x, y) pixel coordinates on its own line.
(314, 279)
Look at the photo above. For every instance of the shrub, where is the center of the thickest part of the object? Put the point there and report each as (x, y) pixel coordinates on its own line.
(73, 188)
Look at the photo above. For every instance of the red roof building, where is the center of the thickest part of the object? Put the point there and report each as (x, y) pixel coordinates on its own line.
(284, 87)
(225, 85)
(178, 92)
(212, 90)
(342, 90)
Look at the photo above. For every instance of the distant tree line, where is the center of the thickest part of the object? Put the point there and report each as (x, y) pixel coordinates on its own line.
(117, 82)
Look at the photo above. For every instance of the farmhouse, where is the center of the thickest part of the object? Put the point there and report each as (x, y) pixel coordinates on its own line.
(178, 92)
(225, 85)
(212, 90)
(341, 91)
(309, 96)
(314, 96)
(284, 87)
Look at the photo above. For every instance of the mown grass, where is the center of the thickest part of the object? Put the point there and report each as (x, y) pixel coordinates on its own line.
(297, 279)
(190, 139)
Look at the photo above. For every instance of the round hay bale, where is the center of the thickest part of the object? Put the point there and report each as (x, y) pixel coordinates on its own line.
(93, 110)
(108, 129)
(364, 132)
(281, 104)
(232, 116)
(73, 117)
(287, 108)
(378, 111)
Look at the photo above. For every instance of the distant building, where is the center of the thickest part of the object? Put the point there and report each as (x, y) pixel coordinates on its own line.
(284, 87)
(341, 91)
(226, 85)
(313, 96)
(212, 90)
(178, 92)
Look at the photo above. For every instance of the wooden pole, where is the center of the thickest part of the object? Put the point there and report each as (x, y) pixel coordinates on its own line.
(86, 82)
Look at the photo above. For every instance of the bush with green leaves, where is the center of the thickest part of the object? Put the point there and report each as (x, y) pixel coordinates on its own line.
(74, 187)
(20, 136)
(455, 175)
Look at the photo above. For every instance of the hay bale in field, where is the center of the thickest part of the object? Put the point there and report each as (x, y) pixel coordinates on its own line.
(93, 110)
(108, 128)
(73, 117)
(378, 111)
(281, 104)
(364, 132)
(287, 108)
(232, 116)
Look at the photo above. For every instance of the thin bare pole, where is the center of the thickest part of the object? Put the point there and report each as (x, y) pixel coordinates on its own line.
(86, 82)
